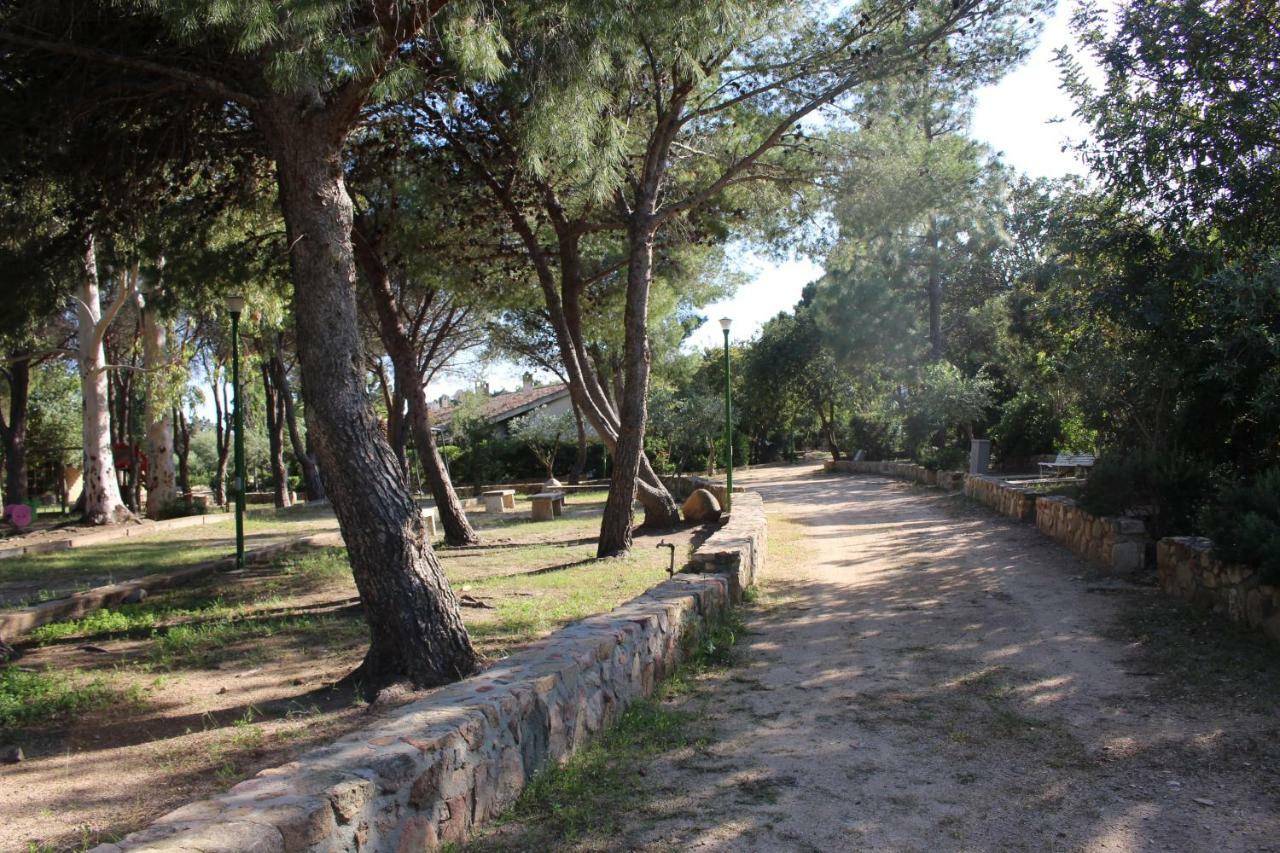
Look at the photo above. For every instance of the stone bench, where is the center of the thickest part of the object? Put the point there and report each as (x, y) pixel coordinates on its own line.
(499, 500)
(547, 505)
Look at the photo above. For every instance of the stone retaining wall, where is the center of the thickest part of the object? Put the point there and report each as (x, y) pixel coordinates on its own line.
(1119, 544)
(1188, 569)
(446, 763)
(737, 549)
(682, 485)
(1002, 496)
(949, 480)
(39, 545)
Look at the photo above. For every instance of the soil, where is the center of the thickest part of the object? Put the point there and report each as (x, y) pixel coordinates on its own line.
(189, 731)
(932, 676)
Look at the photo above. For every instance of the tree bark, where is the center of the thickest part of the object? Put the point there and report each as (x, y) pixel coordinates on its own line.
(222, 436)
(410, 383)
(182, 445)
(103, 503)
(306, 459)
(934, 291)
(615, 527)
(275, 438)
(579, 461)
(416, 630)
(162, 487)
(13, 430)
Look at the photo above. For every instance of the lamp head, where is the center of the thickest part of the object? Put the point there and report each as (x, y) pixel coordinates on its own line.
(725, 323)
(235, 304)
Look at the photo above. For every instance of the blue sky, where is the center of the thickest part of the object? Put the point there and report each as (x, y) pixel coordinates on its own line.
(1025, 117)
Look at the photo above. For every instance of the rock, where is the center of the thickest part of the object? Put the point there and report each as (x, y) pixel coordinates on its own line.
(136, 597)
(552, 483)
(701, 506)
(11, 755)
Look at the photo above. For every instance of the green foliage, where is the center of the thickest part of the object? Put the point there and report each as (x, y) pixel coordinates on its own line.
(28, 698)
(1244, 524)
(1171, 486)
(1028, 426)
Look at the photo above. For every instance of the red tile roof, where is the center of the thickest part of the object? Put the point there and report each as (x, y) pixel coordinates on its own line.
(508, 404)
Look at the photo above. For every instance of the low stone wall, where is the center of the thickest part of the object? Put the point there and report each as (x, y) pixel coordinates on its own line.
(1119, 544)
(40, 545)
(444, 764)
(737, 549)
(1187, 568)
(949, 480)
(682, 485)
(1002, 496)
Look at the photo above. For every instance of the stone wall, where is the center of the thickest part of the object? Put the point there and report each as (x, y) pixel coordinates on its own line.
(949, 480)
(737, 549)
(1002, 496)
(683, 485)
(1119, 544)
(444, 764)
(1187, 568)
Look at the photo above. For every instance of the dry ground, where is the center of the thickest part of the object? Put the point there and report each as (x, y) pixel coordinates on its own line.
(157, 704)
(925, 675)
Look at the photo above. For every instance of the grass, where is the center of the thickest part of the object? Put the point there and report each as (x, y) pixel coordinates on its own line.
(591, 795)
(28, 698)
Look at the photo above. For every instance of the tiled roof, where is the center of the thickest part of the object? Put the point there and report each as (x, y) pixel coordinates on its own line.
(507, 405)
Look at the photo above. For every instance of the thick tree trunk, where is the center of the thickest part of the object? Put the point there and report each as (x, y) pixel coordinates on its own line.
(275, 438)
(615, 527)
(409, 382)
(306, 459)
(103, 503)
(162, 486)
(416, 630)
(14, 431)
(934, 288)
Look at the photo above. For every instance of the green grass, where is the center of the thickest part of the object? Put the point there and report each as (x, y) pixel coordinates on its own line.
(28, 698)
(596, 791)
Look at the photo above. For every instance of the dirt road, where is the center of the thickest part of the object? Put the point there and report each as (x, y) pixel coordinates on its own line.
(932, 676)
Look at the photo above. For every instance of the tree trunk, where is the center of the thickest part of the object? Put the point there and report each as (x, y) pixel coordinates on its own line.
(934, 286)
(182, 445)
(580, 461)
(615, 527)
(416, 630)
(409, 382)
(14, 431)
(275, 438)
(222, 437)
(103, 503)
(306, 459)
(162, 487)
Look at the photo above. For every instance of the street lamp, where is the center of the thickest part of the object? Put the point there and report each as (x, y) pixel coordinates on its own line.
(725, 323)
(235, 305)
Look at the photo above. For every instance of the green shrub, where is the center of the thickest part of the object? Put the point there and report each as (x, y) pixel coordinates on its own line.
(1244, 524)
(1028, 427)
(1172, 486)
(942, 458)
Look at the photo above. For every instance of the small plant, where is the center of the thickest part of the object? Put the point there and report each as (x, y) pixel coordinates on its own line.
(1171, 486)
(1244, 524)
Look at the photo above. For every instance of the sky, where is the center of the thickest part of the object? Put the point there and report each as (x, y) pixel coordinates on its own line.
(1025, 117)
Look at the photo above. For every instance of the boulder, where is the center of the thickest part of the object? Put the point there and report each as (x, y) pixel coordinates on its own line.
(701, 506)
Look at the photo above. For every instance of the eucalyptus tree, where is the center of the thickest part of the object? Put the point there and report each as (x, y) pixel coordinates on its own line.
(301, 76)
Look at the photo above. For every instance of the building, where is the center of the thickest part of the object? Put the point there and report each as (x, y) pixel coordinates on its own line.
(505, 406)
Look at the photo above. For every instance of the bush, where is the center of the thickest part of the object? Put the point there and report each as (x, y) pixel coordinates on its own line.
(942, 458)
(1028, 427)
(1172, 486)
(1244, 524)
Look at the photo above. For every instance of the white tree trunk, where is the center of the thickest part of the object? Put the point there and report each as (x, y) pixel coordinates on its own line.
(103, 504)
(162, 487)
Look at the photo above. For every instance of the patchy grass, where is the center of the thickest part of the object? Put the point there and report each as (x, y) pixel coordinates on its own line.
(40, 697)
(1198, 655)
(588, 799)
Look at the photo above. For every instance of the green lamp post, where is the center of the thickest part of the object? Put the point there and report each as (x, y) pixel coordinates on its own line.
(235, 305)
(725, 323)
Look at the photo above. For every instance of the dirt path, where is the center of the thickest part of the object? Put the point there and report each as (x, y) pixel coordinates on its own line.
(932, 676)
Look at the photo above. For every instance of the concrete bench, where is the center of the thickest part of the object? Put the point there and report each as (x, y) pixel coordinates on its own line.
(499, 500)
(547, 505)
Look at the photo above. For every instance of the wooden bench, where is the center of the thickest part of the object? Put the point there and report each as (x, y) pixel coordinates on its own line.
(499, 500)
(1066, 463)
(547, 505)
